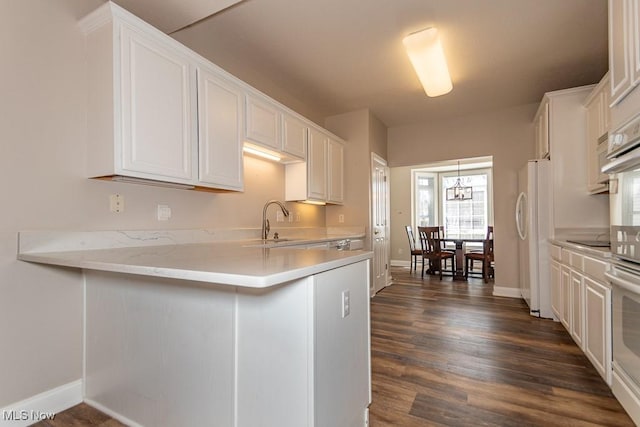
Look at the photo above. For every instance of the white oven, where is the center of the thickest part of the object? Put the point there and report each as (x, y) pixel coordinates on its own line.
(625, 303)
(623, 157)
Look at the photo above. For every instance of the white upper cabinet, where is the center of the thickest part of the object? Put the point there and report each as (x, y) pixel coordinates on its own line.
(220, 112)
(335, 174)
(157, 114)
(317, 166)
(270, 125)
(144, 106)
(294, 136)
(624, 47)
(263, 122)
(597, 107)
(321, 178)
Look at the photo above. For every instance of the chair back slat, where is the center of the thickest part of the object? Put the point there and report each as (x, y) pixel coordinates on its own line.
(411, 237)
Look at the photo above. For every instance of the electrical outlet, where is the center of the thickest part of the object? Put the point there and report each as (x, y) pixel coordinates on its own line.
(298, 217)
(279, 216)
(341, 218)
(116, 203)
(346, 303)
(400, 251)
(291, 215)
(164, 212)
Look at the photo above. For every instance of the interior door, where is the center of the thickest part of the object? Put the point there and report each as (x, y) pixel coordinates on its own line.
(380, 223)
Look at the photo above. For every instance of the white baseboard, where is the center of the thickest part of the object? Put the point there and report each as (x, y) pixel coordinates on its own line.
(503, 291)
(400, 263)
(41, 406)
(124, 420)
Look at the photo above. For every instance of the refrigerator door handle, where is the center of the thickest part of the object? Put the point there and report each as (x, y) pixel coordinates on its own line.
(521, 216)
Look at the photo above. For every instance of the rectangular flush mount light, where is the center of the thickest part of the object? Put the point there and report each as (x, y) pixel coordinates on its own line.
(427, 57)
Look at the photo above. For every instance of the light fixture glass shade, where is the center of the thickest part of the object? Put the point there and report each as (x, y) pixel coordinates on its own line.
(427, 57)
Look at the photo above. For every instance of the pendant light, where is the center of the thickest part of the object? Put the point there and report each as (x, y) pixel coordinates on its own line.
(458, 192)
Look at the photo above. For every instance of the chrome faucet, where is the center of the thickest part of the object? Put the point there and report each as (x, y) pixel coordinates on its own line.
(265, 222)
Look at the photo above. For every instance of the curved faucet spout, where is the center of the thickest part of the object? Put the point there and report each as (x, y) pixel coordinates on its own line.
(265, 222)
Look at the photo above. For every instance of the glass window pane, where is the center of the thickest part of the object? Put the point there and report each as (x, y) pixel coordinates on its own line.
(466, 218)
(425, 201)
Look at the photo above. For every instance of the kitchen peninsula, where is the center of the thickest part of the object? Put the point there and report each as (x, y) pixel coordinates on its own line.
(219, 333)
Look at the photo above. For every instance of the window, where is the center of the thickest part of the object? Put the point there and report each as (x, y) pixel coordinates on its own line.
(466, 218)
(425, 198)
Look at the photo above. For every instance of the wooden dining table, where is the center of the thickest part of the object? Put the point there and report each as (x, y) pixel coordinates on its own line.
(459, 242)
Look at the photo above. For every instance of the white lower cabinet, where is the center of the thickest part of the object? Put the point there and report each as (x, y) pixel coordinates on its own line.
(581, 299)
(565, 286)
(556, 289)
(597, 345)
(576, 293)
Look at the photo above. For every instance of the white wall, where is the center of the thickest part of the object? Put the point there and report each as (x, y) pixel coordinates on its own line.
(42, 185)
(507, 135)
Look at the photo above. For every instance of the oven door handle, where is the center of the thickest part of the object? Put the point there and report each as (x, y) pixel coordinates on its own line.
(627, 281)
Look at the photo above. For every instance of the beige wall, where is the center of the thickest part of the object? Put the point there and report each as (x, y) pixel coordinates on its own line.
(42, 149)
(507, 135)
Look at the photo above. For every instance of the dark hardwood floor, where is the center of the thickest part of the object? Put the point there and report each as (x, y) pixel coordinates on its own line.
(450, 354)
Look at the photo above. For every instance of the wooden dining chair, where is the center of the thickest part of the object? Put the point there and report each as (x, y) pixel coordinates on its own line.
(485, 257)
(444, 246)
(415, 252)
(488, 236)
(432, 250)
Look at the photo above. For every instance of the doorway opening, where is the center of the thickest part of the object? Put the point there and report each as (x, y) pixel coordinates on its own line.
(430, 205)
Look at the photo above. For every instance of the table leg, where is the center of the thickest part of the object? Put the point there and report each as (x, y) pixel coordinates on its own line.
(459, 274)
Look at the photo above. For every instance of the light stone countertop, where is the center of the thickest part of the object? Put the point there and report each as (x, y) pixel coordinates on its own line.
(589, 250)
(231, 262)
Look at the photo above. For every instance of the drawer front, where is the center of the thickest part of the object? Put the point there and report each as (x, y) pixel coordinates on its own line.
(596, 268)
(576, 261)
(556, 252)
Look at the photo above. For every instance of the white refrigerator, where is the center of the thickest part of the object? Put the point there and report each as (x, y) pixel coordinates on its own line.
(534, 213)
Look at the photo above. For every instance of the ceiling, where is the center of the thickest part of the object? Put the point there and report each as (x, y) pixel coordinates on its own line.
(337, 56)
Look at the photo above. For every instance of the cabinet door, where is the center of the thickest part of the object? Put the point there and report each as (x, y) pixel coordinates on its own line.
(157, 109)
(317, 165)
(577, 308)
(294, 136)
(619, 49)
(597, 345)
(220, 131)
(335, 152)
(565, 286)
(556, 289)
(263, 123)
(634, 40)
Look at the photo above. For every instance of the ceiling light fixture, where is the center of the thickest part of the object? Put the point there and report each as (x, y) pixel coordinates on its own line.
(458, 192)
(427, 57)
